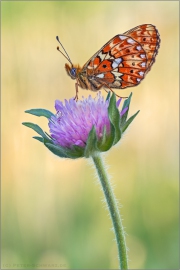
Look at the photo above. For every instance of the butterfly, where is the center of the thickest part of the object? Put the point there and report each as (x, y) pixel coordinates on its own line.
(122, 62)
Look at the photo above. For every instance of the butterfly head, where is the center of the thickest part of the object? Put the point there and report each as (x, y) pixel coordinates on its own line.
(71, 71)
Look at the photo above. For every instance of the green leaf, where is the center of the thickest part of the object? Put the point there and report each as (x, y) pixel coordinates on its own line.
(40, 112)
(62, 151)
(125, 126)
(58, 151)
(114, 118)
(79, 150)
(125, 105)
(107, 139)
(36, 128)
(108, 95)
(39, 139)
(127, 102)
(91, 144)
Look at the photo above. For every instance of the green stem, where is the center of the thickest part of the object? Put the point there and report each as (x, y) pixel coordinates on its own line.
(114, 211)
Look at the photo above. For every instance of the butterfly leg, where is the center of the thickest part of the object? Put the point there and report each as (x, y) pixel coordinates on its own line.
(106, 85)
(76, 87)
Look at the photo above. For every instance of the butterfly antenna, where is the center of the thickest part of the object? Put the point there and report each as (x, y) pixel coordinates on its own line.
(66, 56)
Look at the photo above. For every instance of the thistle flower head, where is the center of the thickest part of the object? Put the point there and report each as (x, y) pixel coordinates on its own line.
(83, 128)
(74, 120)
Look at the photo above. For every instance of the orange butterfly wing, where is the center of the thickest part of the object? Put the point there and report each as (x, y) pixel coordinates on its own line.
(148, 36)
(124, 60)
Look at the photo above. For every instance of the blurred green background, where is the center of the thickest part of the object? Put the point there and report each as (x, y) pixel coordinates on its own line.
(52, 211)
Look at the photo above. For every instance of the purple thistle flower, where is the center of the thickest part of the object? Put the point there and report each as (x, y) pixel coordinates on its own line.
(83, 128)
(74, 120)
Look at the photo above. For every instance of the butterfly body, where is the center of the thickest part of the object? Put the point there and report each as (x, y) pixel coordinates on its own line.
(122, 62)
(84, 81)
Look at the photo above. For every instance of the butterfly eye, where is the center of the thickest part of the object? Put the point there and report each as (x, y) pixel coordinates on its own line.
(73, 72)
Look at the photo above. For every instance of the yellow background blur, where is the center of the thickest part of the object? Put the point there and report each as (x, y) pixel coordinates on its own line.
(52, 210)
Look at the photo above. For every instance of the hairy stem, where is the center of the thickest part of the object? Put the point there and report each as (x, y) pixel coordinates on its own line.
(114, 211)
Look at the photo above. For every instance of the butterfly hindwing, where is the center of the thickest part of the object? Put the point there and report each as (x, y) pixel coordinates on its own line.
(147, 35)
